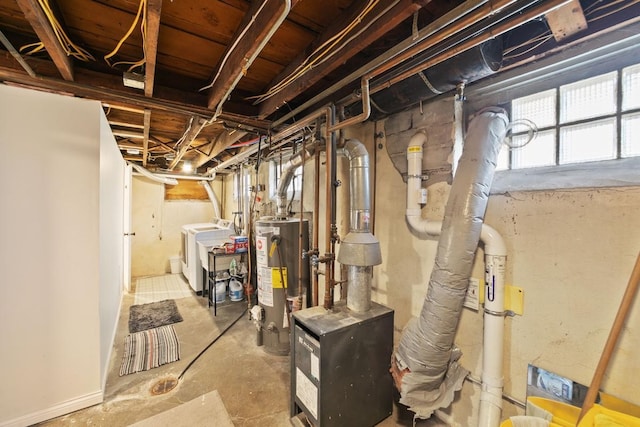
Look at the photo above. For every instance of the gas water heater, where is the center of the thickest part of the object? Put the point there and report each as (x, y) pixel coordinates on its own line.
(278, 255)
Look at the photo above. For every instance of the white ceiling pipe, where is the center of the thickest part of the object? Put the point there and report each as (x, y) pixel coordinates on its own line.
(187, 177)
(212, 196)
(144, 172)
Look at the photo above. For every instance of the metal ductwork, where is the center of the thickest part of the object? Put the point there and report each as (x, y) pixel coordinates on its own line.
(467, 67)
(359, 250)
(288, 172)
(426, 359)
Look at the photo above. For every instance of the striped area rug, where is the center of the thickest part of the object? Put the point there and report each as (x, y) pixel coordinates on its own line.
(149, 349)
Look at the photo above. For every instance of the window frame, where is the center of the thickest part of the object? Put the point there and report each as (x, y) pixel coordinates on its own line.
(557, 128)
(275, 172)
(609, 52)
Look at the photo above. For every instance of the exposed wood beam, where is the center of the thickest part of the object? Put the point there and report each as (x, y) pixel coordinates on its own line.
(145, 138)
(195, 126)
(125, 124)
(245, 47)
(221, 143)
(109, 89)
(40, 24)
(391, 18)
(151, 44)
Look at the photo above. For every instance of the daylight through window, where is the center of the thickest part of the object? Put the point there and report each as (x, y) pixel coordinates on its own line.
(589, 120)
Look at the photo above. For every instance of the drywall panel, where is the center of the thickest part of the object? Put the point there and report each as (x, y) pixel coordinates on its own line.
(50, 246)
(111, 240)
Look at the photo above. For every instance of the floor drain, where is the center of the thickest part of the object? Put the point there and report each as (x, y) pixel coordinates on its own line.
(164, 386)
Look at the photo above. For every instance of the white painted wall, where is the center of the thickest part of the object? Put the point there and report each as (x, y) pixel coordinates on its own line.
(158, 224)
(50, 332)
(112, 194)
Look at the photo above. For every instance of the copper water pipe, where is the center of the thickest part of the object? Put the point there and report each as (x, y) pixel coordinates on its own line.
(329, 211)
(466, 17)
(473, 42)
(471, 18)
(316, 222)
(300, 228)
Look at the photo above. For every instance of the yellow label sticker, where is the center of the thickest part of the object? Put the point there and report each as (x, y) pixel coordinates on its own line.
(414, 149)
(276, 280)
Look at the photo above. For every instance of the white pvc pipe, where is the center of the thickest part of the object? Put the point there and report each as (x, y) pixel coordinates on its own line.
(492, 357)
(214, 199)
(413, 214)
(153, 177)
(495, 267)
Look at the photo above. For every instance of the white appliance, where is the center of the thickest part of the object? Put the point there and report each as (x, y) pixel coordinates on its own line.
(214, 234)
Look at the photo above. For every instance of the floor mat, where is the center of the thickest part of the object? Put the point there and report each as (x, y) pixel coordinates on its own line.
(158, 288)
(153, 315)
(149, 349)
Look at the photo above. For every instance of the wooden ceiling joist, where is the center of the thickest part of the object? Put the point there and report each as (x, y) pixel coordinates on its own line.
(109, 89)
(41, 25)
(390, 19)
(219, 144)
(151, 44)
(244, 46)
(195, 126)
(145, 138)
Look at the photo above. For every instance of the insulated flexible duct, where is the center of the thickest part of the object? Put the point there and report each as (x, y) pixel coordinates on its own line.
(426, 351)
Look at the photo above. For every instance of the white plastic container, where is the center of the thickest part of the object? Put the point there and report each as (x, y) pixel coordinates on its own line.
(221, 290)
(175, 262)
(235, 290)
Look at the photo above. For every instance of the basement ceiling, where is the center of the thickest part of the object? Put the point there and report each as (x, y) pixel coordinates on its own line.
(215, 76)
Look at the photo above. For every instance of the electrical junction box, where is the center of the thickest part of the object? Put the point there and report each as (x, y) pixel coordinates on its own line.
(340, 366)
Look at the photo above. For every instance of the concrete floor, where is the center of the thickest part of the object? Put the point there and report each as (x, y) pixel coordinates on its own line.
(253, 385)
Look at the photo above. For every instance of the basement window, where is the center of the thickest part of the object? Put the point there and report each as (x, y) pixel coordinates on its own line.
(275, 172)
(580, 126)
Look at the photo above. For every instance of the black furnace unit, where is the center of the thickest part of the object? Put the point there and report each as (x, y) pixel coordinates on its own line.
(340, 366)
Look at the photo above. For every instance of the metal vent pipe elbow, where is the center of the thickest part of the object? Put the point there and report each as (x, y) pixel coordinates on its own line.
(288, 171)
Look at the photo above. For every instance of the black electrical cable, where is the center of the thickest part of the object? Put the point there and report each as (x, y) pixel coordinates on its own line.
(211, 343)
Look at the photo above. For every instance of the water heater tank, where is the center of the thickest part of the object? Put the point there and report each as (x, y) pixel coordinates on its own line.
(277, 258)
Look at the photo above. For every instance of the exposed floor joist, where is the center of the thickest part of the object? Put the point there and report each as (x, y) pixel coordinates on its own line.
(390, 17)
(243, 47)
(41, 25)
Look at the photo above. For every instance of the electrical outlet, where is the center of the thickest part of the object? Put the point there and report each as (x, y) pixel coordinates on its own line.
(472, 299)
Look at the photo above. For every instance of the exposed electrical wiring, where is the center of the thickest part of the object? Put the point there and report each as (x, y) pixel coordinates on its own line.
(232, 48)
(325, 51)
(70, 48)
(589, 13)
(543, 40)
(612, 11)
(141, 15)
(184, 135)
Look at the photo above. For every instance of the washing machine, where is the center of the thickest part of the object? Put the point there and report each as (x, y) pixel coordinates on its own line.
(214, 234)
